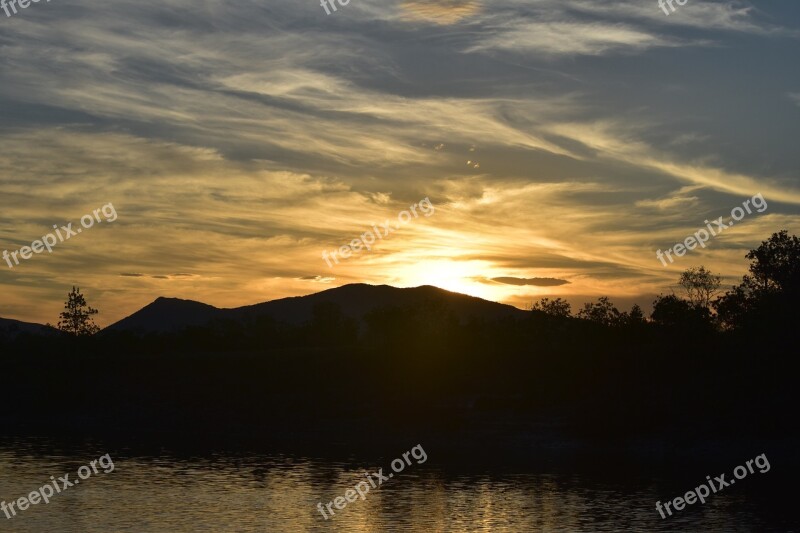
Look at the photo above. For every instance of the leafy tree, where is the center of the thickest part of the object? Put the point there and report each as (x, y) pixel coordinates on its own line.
(675, 312)
(775, 265)
(636, 316)
(700, 285)
(76, 319)
(602, 312)
(736, 306)
(767, 296)
(557, 307)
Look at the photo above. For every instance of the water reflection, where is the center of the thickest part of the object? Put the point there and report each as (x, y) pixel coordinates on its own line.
(277, 493)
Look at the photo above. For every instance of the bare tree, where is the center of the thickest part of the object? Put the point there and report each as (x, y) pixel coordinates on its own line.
(700, 285)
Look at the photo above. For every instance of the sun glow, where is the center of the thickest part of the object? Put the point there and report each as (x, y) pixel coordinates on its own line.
(456, 276)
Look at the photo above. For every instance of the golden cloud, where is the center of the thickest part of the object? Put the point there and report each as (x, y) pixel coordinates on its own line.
(440, 11)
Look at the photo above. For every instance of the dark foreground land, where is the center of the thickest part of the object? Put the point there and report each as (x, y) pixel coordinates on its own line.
(514, 387)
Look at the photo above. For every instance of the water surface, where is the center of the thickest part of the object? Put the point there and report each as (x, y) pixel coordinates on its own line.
(279, 493)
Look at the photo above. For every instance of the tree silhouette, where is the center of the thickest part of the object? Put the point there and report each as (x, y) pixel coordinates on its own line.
(767, 296)
(775, 265)
(635, 317)
(700, 285)
(557, 307)
(76, 319)
(737, 306)
(674, 312)
(602, 312)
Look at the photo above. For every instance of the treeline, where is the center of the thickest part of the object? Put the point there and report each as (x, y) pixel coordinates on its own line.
(764, 302)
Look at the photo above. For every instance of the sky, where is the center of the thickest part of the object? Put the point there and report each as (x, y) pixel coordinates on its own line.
(559, 143)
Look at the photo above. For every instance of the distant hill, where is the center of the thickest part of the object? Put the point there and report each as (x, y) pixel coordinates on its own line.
(356, 300)
(167, 314)
(11, 328)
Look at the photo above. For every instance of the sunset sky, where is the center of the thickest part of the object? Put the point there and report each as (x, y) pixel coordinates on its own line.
(561, 142)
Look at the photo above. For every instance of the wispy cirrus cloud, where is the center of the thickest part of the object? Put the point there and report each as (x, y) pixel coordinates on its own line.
(318, 279)
(537, 282)
(584, 27)
(567, 38)
(713, 15)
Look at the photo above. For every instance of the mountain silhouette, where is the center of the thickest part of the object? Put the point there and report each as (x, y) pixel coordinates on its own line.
(167, 314)
(11, 328)
(355, 301)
